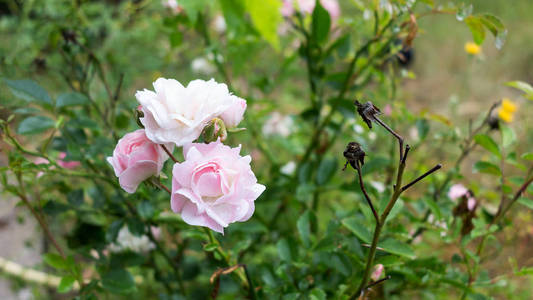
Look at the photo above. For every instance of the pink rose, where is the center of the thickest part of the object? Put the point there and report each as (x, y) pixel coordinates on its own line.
(136, 158)
(214, 186)
(377, 272)
(66, 164)
(59, 161)
(307, 7)
(471, 203)
(457, 191)
(177, 114)
(234, 114)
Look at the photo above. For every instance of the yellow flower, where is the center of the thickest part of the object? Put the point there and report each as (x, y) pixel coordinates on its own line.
(472, 48)
(507, 109)
(508, 105)
(505, 115)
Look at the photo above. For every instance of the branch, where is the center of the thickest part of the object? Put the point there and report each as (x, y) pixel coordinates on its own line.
(169, 153)
(397, 136)
(435, 168)
(38, 217)
(361, 183)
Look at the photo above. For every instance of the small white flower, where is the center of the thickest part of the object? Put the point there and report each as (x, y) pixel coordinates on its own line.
(127, 241)
(379, 186)
(367, 14)
(172, 5)
(202, 66)
(219, 24)
(278, 124)
(358, 128)
(288, 168)
(372, 135)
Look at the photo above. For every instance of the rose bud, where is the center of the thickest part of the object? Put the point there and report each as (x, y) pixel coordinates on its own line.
(214, 130)
(136, 158)
(367, 111)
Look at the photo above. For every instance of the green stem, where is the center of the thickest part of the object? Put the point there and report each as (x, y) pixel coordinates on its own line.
(225, 256)
(378, 229)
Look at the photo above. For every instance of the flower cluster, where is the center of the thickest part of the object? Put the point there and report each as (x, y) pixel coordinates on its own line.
(214, 186)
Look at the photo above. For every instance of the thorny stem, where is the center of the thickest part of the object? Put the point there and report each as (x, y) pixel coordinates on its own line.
(38, 217)
(169, 153)
(225, 256)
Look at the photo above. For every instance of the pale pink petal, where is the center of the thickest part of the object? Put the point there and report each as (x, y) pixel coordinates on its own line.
(131, 178)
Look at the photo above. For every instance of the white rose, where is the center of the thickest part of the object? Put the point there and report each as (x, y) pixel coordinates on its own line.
(178, 114)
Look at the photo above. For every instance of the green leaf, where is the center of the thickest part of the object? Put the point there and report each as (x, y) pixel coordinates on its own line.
(488, 143)
(71, 99)
(112, 231)
(233, 14)
(284, 250)
(508, 135)
(523, 86)
(422, 126)
(66, 284)
(210, 247)
(266, 16)
(194, 7)
(146, 210)
(492, 23)
(526, 202)
(464, 11)
(358, 228)
(28, 90)
(135, 226)
(75, 197)
(476, 28)
(525, 271)
(527, 156)
(486, 167)
(126, 259)
(435, 209)
(396, 247)
(320, 24)
(35, 124)
(326, 170)
(304, 229)
(317, 294)
(176, 37)
(118, 281)
(56, 261)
